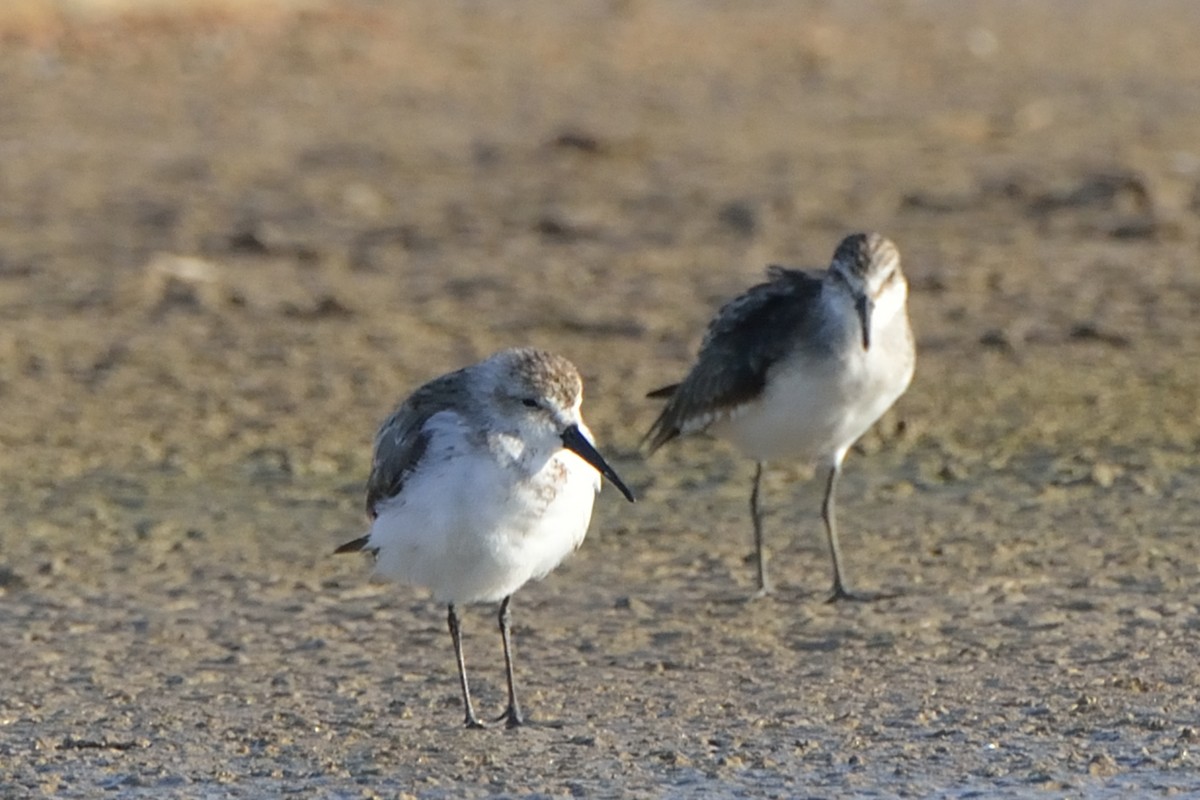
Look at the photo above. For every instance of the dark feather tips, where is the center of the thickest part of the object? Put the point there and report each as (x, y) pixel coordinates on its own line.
(663, 393)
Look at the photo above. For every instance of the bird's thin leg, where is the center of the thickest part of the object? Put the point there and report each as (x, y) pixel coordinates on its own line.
(512, 716)
(764, 585)
(829, 514)
(471, 720)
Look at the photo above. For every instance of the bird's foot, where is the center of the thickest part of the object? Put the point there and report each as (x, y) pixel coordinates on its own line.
(763, 592)
(841, 594)
(512, 717)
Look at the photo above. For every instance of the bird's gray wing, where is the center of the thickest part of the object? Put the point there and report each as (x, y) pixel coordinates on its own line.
(403, 439)
(745, 339)
(400, 444)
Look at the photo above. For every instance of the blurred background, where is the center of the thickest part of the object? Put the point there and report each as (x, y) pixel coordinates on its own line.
(234, 234)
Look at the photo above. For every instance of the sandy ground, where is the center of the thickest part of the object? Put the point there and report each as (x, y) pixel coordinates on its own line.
(229, 242)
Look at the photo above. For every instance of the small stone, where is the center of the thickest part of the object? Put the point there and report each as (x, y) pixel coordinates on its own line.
(738, 217)
(1105, 475)
(1102, 765)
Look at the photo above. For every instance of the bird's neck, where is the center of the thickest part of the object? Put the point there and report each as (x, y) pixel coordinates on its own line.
(514, 451)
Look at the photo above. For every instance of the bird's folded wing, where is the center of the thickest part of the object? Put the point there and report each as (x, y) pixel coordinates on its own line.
(748, 336)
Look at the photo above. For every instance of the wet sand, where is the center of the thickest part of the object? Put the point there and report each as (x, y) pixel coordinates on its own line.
(229, 242)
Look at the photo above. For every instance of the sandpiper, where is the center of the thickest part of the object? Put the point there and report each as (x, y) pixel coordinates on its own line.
(482, 480)
(800, 367)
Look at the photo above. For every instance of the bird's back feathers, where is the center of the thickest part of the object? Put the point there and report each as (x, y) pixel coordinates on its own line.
(748, 336)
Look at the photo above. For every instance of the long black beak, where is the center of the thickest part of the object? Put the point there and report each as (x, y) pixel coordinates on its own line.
(864, 306)
(574, 440)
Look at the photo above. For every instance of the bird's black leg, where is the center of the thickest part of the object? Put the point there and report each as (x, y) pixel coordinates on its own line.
(471, 721)
(764, 585)
(829, 514)
(512, 716)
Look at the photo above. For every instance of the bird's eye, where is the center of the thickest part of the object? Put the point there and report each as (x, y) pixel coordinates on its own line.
(529, 402)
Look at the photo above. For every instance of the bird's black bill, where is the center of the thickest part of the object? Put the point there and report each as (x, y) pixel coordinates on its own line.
(574, 440)
(864, 306)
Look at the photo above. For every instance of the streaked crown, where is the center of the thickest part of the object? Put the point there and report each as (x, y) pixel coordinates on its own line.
(865, 258)
(527, 371)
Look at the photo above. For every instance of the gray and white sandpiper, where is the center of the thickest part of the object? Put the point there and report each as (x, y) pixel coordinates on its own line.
(800, 367)
(482, 480)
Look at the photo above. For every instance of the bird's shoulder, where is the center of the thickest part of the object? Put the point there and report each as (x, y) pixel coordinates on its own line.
(404, 439)
(746, 338)
(762, 322)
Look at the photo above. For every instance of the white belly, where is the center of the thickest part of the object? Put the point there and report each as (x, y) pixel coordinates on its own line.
(816, 408)
(470, 532)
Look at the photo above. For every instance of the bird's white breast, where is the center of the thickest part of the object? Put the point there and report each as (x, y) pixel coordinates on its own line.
(473, 525)
(819, 401)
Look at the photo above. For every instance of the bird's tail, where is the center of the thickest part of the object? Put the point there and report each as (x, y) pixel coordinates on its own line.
(661, 431)
(356, 546)
(663, 393)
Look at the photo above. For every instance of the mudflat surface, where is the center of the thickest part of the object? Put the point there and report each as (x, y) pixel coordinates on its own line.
(230, 241)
